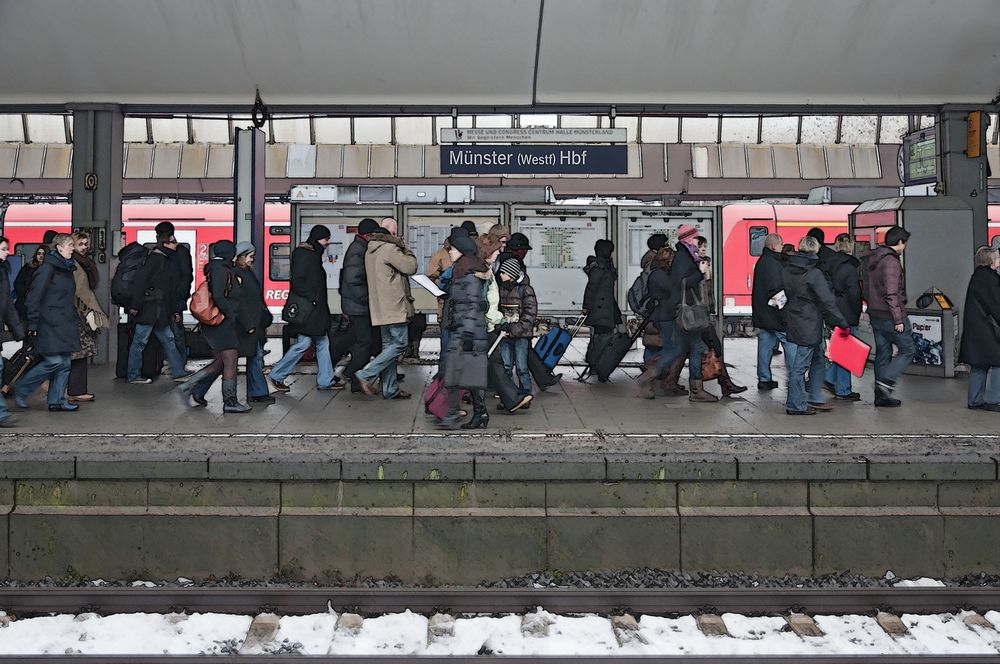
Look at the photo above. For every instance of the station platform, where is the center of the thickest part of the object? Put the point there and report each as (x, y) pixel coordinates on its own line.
(332, 487)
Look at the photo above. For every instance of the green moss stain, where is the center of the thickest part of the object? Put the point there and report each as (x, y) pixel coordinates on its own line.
(435, 474)
(380, 472)
(661, 474)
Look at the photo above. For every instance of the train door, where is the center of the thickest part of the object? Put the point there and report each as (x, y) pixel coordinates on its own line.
(342, 221)
(426, 227)
(561, 238)
(744, 228)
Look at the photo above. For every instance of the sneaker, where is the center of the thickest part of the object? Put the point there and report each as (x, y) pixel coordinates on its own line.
(267, 398)
(853, 396)
(767, 384)
(366, 388)
(523, 403)
(20, 401)
(992, 407)
(884, 401)
(400, 395)
(808, 411)
(80, 398)
(140, 381)
(183, 378)
(821, 406)
(278, 386)
(335, 385)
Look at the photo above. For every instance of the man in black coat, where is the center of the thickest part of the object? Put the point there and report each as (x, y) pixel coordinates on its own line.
(810, 301)
(253, 320)
(358, 339)
(308, 284)
(767, 282)
(180, 264)
(842, 268)
(155, 309)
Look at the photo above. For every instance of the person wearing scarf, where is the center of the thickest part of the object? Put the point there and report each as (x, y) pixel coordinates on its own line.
(52, 331)
(91, 318)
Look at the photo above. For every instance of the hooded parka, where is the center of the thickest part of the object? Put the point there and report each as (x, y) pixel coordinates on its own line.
(810, 301)
(308, 281)
(51, 309)
(468, 341)
(767, 281)
(389, 264)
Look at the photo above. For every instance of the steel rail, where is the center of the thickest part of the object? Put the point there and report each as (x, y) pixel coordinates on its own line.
(499, 659)
(293, 601)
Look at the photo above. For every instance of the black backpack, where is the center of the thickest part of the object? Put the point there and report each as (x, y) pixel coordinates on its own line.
(130, 259)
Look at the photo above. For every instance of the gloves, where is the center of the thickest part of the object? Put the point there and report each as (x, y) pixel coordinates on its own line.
(504, 327)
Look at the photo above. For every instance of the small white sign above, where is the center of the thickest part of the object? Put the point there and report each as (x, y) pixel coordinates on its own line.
(534, 135)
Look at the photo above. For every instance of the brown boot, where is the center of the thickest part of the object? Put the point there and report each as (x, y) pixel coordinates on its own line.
(729, 388)
(645, 382)
(670, 384)
(699, 394)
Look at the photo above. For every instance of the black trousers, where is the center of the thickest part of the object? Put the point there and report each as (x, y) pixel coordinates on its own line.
(358, 341)
(77, 377)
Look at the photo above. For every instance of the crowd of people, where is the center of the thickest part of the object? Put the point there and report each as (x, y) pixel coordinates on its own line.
(487, 313)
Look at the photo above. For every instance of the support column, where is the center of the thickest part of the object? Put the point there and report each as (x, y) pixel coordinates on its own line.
(964, 176)
(248, 194)
(97, 198)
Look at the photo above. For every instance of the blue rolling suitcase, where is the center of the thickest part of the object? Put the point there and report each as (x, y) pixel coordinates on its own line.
(551, 345)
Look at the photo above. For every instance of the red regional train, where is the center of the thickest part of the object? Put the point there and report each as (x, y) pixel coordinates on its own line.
(744, 226)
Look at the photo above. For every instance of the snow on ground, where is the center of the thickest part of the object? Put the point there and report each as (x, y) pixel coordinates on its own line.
(406, 633)
(922, 582)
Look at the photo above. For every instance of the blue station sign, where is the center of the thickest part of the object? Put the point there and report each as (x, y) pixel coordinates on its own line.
(534, 160)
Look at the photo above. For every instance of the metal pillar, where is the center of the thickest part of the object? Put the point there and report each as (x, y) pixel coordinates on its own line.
(962, 151)
(248, 194)
(97, 198)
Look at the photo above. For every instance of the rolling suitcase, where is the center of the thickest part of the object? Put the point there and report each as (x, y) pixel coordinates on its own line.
(195, 345)
(16, 367)
(610, 355)
(551, 346)
(152, 354)
(542, 375)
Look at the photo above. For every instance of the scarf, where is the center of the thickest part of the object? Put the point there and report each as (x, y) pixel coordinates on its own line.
(693, 250)
(67, 262)
(89, 267)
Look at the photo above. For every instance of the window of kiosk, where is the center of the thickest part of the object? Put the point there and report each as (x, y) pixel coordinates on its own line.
(756, 241)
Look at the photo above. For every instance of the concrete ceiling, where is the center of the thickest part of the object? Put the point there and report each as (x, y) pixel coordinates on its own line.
(499, 52)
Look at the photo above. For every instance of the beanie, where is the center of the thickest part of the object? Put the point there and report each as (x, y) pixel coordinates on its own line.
(224, 249)
(686, 231)
(604, 248)
(518, 241)
(318, 232)
(245, 248)
(470, 227)
(367, 226)
(818, 234)
(465, 244)
(656, 241)
(512, 268)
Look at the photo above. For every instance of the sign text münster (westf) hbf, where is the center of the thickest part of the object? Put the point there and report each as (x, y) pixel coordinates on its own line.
(534, 160)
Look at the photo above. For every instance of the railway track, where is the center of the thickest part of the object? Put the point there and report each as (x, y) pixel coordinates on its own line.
(25, 602)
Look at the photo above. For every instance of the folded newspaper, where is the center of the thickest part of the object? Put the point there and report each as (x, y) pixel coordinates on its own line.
(779, 300)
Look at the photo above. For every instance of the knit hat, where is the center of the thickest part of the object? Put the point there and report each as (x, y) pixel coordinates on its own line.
(245, 248)
(656, 241)
(512, 268)
(818, 234)
(318, 232)
(604, 248)
(367, 226)
(224, 249)
(470, 228)
(465, 244)
(518, 241)
(686, 231)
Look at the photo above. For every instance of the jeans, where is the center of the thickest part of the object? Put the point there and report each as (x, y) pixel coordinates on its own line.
(839, 376)
(53, 367)
(678, 343)
(256, 385)
(394, 340)
(4, 412)
(167, 344)
(324, 367)
(888, 369)
(767, 340)
(515, 352)
(804, 358)
(979, 393)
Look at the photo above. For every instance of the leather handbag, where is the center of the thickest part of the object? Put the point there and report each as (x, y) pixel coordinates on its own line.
(296, 309)
(692, 312)
(711, 365)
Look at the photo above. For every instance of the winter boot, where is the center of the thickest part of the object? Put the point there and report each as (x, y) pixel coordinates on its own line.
(230, 403)
(645, 382)
(480, 416)
(195, 388)
(698, 393)
(670, 384)
(729, 388)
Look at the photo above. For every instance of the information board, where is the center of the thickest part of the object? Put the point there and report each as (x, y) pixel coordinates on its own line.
(561, 240)
(637, 225)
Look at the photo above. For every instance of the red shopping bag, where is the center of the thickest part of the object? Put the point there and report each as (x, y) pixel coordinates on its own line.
(848, 351)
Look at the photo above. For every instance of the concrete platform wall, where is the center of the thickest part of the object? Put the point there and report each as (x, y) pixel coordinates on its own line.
(466, 518)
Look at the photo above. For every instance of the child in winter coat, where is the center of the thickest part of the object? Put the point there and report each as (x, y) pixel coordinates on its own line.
(520, 308)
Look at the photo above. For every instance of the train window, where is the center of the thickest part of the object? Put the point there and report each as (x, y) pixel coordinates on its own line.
(757, 236)
(280, 261)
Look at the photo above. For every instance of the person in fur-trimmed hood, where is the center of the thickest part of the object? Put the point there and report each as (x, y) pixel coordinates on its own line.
(389, 263)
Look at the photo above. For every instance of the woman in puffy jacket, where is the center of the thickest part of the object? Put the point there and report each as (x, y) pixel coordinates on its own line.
(225, 338)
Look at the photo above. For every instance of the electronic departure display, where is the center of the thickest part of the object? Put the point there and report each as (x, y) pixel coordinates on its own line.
(918, 157)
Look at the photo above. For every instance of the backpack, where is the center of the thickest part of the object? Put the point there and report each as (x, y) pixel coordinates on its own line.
(203, 307)
(638, 294)
(130, 259)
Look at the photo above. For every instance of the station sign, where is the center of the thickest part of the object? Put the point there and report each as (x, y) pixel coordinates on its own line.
(534, 160)
(534, 135)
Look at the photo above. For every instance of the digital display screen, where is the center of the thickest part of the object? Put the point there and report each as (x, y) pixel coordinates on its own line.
(920, 157)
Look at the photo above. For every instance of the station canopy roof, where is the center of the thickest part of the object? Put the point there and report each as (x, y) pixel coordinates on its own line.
(499, 53)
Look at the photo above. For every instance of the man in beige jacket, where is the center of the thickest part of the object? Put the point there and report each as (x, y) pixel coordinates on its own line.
(388, 266)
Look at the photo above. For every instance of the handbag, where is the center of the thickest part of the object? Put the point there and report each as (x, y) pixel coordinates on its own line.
(692, 316)
(711, 365)
(203, 307)
(296, 309)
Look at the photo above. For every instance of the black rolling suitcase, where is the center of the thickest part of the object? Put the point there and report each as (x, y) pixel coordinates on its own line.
(543, 376)
(554, 344)
(16, 367)
(608, 356)
(152, 354)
